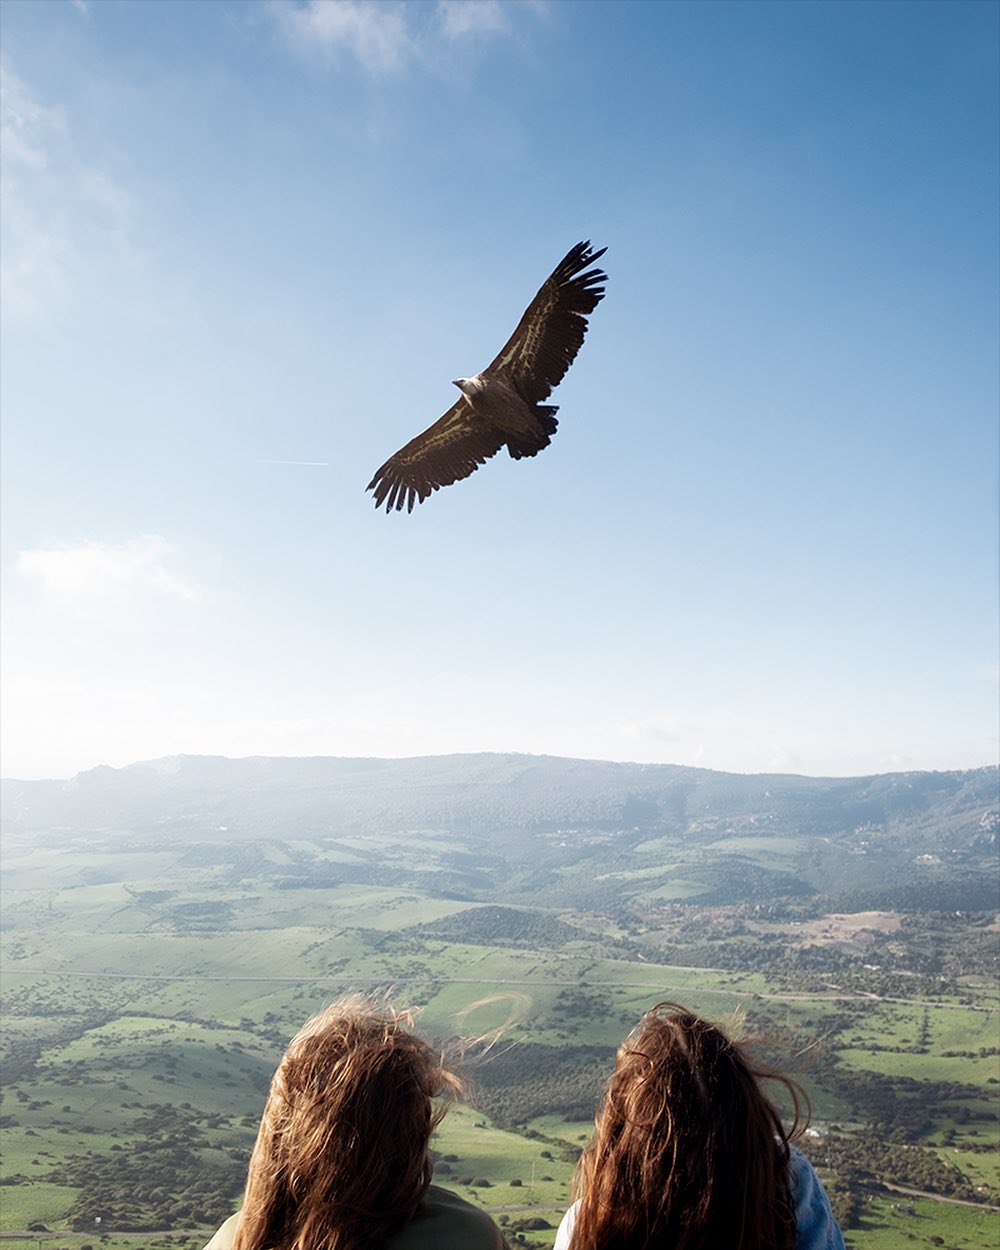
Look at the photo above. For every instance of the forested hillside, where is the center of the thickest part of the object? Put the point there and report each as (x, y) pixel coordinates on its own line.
(559, 830)
(278, 796)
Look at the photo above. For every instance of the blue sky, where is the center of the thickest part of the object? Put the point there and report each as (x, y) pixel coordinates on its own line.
(239, 234)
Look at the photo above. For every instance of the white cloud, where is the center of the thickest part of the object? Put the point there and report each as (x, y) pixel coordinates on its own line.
(378, 35)
(26, 127)
(468, 17)
(63, 215)
(386, 35)
(33, 249)
(86, 574)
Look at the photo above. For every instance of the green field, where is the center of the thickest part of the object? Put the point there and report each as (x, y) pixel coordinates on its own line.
(891, 1222)
(148, 995)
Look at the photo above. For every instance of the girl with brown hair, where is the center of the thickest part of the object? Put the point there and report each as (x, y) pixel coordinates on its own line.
(342, 1158)
(688, 1152)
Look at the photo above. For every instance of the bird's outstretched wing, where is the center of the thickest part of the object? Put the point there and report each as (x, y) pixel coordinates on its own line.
(548, 336)
(452, 448)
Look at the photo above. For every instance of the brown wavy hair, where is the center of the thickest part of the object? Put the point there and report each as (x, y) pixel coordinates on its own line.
(341, 1160)
(688, 1152)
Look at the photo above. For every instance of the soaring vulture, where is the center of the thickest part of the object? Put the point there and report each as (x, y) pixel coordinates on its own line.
(502, 406)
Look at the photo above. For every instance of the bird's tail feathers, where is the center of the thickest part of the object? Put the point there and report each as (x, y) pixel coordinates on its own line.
(521, 447)
(546, 414)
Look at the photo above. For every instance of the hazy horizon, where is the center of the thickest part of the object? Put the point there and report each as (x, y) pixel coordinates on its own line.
(539, 755)
(245, 248)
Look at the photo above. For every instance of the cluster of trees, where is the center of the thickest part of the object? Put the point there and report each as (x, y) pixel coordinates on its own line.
(151, 1185)
(576, 1007)
(938, 947)
(947, 888)
(899, 1110)
(20, 1051)
(739, 878)
(858, 1162)
(556, 1080)
(502, 926)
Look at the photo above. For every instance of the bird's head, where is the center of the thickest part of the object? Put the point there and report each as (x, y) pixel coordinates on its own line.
(468, 386)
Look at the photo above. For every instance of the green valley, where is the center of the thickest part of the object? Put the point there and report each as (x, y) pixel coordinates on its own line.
(167, 929)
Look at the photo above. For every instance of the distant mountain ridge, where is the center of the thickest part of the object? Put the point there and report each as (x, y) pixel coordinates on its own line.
(215, 797)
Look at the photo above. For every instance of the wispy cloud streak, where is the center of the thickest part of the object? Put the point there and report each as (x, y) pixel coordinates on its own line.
(61, 212)
(377, 35)
(386, 37)
(472, 17)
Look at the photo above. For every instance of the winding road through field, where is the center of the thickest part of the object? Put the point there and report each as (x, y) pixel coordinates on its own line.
(838, 996)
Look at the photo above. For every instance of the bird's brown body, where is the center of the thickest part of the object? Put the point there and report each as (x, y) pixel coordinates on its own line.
(495, 402)
(501, 406)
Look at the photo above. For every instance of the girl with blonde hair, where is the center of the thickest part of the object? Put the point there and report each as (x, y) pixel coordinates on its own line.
(342, 1159)
(688, 1152)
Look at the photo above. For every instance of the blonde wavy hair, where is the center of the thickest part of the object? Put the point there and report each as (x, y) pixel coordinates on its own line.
(688, 1151)
(341, 1160)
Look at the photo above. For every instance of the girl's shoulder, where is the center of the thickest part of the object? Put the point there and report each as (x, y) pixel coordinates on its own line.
(816, 1227)
(223, 1239)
